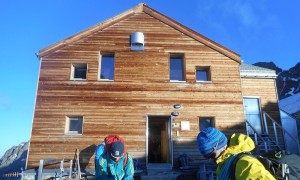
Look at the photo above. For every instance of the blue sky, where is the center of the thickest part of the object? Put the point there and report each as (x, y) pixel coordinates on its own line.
(261, 30)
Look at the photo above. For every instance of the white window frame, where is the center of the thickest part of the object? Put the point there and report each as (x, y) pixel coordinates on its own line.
(74, 66)
(67, 125)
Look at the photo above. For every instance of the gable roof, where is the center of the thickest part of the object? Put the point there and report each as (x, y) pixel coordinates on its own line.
(155, 14)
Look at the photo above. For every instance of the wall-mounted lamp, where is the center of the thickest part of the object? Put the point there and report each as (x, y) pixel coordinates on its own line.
(175, 113)
(176, 106)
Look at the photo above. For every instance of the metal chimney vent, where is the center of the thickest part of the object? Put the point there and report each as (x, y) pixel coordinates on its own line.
(137, 41)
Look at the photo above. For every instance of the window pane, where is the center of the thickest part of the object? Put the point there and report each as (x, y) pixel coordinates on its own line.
(176, 69)
(107, 67)
(75, 125)
(80, 71)
(201, 75)
(251, 106)
(205, 123)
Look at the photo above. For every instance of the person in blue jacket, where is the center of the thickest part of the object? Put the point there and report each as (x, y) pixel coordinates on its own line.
(116, 164)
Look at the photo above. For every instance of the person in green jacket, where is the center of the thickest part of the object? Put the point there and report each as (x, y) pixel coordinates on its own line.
(213, 144)
(115, 164)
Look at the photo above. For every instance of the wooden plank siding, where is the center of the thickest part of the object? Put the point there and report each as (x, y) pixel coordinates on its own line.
(141, 86)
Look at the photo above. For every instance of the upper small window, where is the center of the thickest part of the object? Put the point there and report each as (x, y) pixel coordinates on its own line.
(78, 71)
(74, 125)
(176, 68)
(203, 73)
(205, 122)
(107, 67)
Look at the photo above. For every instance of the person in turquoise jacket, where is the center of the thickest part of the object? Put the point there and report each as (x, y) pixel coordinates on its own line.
(115, 164)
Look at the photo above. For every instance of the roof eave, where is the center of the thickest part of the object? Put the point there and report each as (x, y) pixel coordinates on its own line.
(84, 33)
(146, 9)
(212, 44)
(258, 75)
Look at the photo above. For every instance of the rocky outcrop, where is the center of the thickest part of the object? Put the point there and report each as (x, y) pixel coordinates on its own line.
(14, 159)
(288, 81)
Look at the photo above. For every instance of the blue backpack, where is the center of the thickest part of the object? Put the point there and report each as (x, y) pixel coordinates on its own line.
(99, 151)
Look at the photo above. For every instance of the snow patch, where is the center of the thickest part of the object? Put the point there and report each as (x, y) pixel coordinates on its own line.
(293, 79)
(291, 92)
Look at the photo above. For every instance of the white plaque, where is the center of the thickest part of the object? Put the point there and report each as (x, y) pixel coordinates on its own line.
(185, 125)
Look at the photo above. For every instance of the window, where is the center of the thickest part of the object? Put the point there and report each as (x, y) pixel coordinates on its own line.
(176, 68)
(74, 125)
(107, 67)
(203, 73)
(205, 122)
(78, 71)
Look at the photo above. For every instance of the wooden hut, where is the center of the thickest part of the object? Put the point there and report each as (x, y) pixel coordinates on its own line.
(145, 77)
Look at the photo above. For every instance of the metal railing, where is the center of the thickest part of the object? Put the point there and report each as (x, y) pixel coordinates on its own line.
(11, 175)
(276, 126)
(267, 141)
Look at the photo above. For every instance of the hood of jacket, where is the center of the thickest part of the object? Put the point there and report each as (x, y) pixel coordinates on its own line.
(238, 143)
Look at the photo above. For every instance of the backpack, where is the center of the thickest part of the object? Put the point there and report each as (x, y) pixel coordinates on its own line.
(105, 147)
(109, 140)
(184, 161)
(283, 165)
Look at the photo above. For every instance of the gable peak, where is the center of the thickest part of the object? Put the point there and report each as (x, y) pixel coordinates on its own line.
(140, 7)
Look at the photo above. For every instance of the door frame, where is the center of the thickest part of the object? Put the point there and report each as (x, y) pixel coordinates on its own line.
(170, 135)
(260, 110)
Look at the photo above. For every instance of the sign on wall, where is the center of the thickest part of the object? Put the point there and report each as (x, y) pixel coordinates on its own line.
(185, 125)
